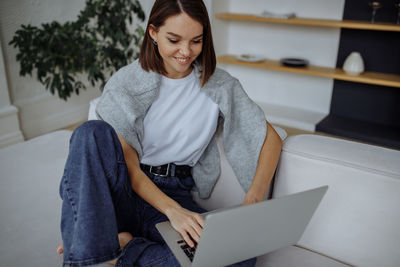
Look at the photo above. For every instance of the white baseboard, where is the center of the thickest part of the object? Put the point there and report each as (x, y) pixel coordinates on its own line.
(8, 111)
(11, 138)
(9, 131)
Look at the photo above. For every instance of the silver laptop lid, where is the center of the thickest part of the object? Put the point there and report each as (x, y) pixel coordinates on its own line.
(245, 232)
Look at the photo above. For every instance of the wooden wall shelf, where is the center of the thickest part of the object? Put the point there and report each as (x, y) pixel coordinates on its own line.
(334, 73)
(350, 24)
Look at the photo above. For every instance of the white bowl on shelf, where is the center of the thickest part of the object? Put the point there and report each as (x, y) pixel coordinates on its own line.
(250, 58)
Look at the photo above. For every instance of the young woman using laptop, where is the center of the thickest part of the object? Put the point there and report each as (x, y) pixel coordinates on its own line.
(155, 143)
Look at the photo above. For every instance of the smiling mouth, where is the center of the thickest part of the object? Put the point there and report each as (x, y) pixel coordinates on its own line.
(182, 60)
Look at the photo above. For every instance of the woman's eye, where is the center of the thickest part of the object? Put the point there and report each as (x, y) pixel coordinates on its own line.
(197, 41)
(172, 41)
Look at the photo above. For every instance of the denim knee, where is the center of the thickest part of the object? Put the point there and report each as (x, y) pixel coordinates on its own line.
(91, 127)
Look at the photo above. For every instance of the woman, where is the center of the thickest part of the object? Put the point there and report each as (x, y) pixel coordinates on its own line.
(155, 143)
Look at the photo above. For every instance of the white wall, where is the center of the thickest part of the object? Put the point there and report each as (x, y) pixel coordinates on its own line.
(39, 111)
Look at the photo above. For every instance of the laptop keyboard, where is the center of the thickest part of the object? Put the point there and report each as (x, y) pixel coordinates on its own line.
(187, 249)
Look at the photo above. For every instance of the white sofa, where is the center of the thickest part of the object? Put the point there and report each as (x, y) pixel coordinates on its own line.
(357, 222)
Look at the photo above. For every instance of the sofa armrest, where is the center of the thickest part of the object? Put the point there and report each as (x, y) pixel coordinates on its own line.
(358, 219)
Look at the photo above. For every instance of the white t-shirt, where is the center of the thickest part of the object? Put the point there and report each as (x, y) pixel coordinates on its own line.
(180, 123)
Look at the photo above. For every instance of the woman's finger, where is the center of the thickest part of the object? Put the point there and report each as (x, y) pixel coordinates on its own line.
(187, 238)
(194, 235)
(197, 228)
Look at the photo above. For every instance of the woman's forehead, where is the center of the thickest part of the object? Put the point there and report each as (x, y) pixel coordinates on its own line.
(182, 25)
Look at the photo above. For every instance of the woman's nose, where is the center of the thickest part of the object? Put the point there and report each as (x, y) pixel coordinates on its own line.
(185, 49)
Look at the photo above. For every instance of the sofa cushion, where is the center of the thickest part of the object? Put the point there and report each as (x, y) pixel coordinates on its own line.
(227, 191)
(358, 219)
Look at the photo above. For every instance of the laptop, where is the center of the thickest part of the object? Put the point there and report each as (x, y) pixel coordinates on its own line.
(242, 232)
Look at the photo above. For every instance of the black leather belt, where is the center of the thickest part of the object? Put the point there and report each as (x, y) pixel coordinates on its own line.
(168, 170)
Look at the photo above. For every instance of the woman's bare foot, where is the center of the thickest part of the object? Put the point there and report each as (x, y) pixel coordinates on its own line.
(123, 239)
(60, 249)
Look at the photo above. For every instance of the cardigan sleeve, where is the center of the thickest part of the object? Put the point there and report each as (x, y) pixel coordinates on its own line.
(244, 133)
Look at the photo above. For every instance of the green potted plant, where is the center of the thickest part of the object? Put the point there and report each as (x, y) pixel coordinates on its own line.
(98, 43)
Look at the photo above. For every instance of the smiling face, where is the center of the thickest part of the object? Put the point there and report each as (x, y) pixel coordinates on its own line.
(180, 42)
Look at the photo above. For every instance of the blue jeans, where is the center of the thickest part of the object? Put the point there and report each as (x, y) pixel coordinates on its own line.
(99, 203)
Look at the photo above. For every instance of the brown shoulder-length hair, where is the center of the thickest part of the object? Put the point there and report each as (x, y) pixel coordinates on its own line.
(151, 60)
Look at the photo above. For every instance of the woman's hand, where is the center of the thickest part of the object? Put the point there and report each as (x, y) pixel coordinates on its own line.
(189, 224)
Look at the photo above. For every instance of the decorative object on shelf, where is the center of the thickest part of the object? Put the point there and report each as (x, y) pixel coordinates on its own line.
(354, 64)
(250, 58)
(397, 5)
(375, 6)
(269, 14)
(101, 40)
(294, 62)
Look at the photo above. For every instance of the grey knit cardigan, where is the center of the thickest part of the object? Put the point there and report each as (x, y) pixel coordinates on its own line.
(130, 92)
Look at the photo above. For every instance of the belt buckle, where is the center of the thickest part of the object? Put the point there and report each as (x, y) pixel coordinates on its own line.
(159, 174)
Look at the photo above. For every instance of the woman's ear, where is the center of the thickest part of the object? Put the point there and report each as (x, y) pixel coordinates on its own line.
(153, 32)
